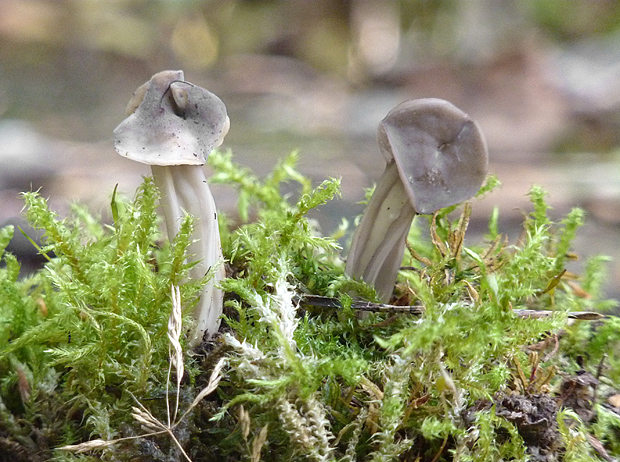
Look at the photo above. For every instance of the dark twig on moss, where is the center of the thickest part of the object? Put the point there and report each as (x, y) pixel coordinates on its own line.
(359, 305)
(418, 310)
(580, 315)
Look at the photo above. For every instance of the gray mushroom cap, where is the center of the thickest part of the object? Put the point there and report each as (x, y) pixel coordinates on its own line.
(440, 152)
(172, 122)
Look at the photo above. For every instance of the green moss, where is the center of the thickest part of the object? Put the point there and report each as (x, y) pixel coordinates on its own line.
(90, 327)
(84, 342)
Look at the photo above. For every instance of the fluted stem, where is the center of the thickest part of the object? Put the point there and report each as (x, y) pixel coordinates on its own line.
(378, 245)
(184, 189)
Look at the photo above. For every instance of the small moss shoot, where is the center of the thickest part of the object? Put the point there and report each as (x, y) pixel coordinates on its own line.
(501, 359)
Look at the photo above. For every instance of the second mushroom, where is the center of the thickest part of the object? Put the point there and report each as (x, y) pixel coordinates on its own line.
(173, 125)
(436, 157)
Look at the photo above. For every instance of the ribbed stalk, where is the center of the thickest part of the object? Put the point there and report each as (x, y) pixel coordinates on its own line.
(184, 188)
(378, 245)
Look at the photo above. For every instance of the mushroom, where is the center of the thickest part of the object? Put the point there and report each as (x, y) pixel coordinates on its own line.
(436, 157)
(173, 125)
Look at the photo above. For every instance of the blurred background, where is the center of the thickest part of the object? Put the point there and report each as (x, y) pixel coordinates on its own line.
(542, 78)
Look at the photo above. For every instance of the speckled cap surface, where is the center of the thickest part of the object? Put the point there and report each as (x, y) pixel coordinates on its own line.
(171, 122)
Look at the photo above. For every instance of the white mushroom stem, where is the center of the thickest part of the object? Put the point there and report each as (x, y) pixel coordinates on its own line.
(378, 245)
(184, 189)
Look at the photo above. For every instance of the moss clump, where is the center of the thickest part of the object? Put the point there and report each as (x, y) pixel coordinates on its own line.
(492, 355)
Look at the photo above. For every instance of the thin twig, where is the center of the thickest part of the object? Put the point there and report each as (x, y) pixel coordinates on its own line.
(580, 315)
(359, 305)
(418, 310)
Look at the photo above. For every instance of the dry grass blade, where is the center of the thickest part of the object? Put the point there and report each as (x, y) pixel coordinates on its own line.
(244, 421)
(98, 444)
(88, 446)
(175, 326)
(258, 443)
(146, 419)
(214, 381)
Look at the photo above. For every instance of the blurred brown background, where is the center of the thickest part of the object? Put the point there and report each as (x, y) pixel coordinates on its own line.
(542, 77)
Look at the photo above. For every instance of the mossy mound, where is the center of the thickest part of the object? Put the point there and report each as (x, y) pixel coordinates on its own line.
(487, 352)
